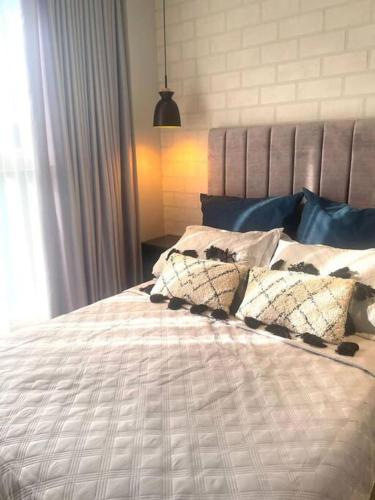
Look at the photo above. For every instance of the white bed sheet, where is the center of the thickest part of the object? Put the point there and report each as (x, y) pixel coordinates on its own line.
(126, 399)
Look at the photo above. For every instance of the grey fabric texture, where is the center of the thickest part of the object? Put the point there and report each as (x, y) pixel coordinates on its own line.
(334, 159)
(77, 57)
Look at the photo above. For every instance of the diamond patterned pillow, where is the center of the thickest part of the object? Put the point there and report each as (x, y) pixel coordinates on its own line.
(359, 263)
(200, 281)
(298, 301)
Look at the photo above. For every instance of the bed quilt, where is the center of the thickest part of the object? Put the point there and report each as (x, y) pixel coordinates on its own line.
(125, 399)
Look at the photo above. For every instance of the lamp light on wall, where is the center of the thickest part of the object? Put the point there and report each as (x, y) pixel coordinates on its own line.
(166, 112)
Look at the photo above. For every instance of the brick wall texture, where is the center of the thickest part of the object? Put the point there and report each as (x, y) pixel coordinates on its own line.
(242, 62)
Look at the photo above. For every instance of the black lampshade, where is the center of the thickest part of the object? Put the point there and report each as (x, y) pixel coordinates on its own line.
(166, 112)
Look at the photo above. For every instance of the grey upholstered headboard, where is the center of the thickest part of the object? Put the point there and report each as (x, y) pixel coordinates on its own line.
(335, 159)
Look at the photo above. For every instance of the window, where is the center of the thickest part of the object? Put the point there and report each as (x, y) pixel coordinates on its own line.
(23, 297)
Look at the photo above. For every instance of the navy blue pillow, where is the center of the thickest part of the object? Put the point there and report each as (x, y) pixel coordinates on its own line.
(336, 224)
(251, 214)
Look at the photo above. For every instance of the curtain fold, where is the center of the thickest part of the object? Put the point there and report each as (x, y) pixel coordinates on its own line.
(77, 61)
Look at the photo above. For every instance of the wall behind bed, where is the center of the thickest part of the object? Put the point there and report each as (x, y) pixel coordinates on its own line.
(239, 62)
(143, 81)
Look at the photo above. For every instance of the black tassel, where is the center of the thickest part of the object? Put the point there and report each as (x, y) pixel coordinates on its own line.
(252, 322)
(219, 314)
(190, 253)
(174, 250)
(302, 267)
(176, 303)
(198, 309)
(313, 340)
(343, 272)
(349, 326)
(147, 289)
(216, 253)
(363, 292)
(279, 264)
(156, 298)
(347, 348)
(280, 331)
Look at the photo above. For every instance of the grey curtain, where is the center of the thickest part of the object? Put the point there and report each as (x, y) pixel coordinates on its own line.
(77, 62)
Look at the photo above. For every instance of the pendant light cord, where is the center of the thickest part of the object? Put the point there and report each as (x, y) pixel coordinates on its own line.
(165, 50)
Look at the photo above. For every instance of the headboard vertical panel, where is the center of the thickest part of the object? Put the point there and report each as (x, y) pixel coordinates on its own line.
(235, 184)
(281, 159)
(309, 140)
(362, 180)
(335, 159)
(257, 161)
(216, 161)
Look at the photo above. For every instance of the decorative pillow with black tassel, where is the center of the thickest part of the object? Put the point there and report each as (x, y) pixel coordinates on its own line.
(204, 283)
(254, 248)
(358, 265)
(300, 302)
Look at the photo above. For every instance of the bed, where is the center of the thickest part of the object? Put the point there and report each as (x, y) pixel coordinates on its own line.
(125, 399)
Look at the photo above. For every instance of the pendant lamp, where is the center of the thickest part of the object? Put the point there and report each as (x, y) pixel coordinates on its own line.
(166, 112)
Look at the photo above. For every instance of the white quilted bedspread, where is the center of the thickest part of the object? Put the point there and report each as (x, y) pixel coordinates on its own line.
(128, 400)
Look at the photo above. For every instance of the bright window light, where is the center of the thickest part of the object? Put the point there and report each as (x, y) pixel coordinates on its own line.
(23, 296)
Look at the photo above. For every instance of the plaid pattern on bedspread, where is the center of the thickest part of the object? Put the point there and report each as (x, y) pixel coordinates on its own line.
(129, 400)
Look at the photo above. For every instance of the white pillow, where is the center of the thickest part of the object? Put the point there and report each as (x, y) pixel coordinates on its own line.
(254, 248)
(327, 260)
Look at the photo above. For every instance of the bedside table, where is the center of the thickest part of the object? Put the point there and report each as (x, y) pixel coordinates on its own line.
(151, 251)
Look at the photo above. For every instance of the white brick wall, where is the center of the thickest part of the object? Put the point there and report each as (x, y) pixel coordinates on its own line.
(239, 62)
